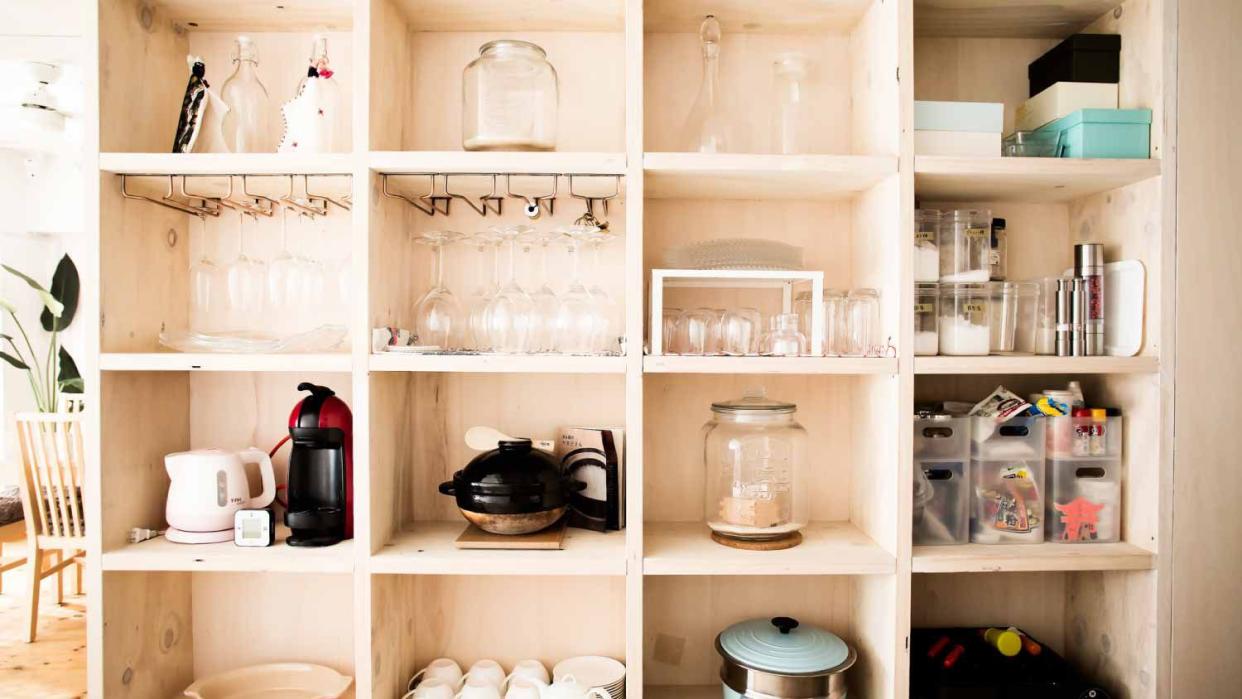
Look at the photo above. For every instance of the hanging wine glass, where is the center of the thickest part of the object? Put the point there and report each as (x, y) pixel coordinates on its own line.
(438, 318)
(205, 284)
(247, 277)
(605, 339)
(487, 273)
(576, 321)
(544, 302)
(508, 312)
(283, 276)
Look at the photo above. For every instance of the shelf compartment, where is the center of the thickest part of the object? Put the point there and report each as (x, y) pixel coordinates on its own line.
(749, 176)
(828, 548)
(226, 163)
(1036, 365)
(996, 19)
(682, 364)
(195, 361)
(950, 178)
(159, 554)
(429, 550)
(1001, 558)
(495, 363)
(410, 162)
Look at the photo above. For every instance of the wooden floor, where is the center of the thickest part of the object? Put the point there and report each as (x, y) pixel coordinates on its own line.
(53, 666)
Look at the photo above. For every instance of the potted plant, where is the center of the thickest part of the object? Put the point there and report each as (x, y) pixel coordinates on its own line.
(57, 373)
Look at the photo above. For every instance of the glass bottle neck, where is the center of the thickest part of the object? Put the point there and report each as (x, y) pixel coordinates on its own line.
(711, 69)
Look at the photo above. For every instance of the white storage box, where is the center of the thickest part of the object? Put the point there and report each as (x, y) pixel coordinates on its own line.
(985, 117)
(964, 143)
(1061, 100)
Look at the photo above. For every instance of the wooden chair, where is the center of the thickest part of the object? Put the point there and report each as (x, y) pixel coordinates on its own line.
(11, 535)
(53, 469)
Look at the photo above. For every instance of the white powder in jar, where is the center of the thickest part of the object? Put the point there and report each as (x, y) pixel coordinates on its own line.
(926, 343)
(959, 336)
(926, 263)
(969, 276)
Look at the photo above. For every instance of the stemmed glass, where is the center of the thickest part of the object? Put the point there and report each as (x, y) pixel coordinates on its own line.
(205, 284)
(509, 311)
(605, 336)
(247, 277)
(284, 272)
(576, 322)
(544, 302)
(438, 316)
(476, 302)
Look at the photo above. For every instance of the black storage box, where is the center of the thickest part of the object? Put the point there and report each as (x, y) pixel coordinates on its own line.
(1082, 58)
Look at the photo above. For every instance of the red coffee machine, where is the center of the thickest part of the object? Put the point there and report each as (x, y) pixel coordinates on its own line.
(321, 468)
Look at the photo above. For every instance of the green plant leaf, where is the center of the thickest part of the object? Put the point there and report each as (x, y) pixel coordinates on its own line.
(65, 288)
(70, 379)
(17, 363)
(53, 306)
(7, 306)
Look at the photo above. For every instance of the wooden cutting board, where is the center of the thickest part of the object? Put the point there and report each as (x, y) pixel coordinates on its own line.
(552, 538)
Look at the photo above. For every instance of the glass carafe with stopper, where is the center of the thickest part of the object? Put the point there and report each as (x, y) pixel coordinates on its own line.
(247, 125)
(754, 453)
(705, 127)
(791, 120)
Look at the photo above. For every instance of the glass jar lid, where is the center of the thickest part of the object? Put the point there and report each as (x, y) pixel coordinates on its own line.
(754, 401)
(512, 45)
(783, 646)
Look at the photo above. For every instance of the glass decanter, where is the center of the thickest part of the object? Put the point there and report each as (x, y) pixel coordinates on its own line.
(311, 118)
(705, 127)
(247, 125)
(790, 127)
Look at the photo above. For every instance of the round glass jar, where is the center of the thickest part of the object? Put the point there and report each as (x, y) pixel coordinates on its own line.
(754, 454)
(965, 319)
(926, 318)
(927, 245)
(509, 98)
(966, 246)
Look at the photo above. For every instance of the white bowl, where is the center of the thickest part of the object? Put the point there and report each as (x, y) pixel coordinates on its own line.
(272, 681)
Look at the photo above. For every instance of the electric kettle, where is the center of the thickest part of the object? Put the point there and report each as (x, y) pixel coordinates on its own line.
(208, 487)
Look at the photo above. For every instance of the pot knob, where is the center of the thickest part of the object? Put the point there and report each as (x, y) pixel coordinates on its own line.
(785, 624)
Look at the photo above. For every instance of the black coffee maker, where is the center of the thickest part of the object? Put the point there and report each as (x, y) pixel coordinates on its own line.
(320, 490)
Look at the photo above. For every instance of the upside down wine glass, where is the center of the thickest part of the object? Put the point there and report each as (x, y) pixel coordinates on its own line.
(486, 287)
(576, 320)
(508, 313)
(247, 277)
(205, 285)
(438, 316)
(605, 340)
(544, 302)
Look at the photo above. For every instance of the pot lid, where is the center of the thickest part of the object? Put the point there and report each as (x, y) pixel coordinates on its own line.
(782, 646)
(755, 400)
(513, 467)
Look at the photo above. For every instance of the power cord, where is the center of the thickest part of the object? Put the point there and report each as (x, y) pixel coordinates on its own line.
(138, 534)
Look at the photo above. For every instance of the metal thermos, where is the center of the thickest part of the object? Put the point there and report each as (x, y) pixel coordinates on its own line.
(1089, 266)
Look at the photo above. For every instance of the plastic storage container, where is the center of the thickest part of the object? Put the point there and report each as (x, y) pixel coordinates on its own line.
(1084, 479)
(1007, 481)
(941, 480)
(1103, 133)
(965, 245)
(965, 319)
(926, 319)
(927, 245)
(1025, 317)
(1081, 58)
(1003, 307)
(509, 98)
(1046, 316)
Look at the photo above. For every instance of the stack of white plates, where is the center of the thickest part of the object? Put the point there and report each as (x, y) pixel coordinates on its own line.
(594, 671)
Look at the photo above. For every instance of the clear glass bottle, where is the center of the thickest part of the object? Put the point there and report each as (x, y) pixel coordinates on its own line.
(754, 455)
(926, 317)
(509, 98)
(862, 324)
(705, 127)
(790, 128)
(248, 123)
(784, 339)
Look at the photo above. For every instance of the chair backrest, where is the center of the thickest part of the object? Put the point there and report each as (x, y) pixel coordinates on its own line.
(53, 472)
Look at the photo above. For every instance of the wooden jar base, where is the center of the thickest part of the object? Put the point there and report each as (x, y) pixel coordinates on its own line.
(779, 544)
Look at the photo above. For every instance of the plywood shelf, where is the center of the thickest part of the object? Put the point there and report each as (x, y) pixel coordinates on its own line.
(682, 691)
(406, 162)
(743, 16)
(828, 548)
(1036, 365)
(160, 554)
(747, 176)
(508, 16)
(997, 558)
(948, 178)
(226, 163)
(250, 16)
(678, 364)
(495, 363)
(428, 549)
(996, 19)
(193, 361)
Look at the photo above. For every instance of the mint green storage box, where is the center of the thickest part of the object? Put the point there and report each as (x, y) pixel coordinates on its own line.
(1104, 133)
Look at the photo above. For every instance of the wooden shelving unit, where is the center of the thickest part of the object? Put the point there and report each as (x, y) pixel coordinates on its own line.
(400, 593)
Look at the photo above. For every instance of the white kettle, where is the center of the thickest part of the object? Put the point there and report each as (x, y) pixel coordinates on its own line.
(208, 487)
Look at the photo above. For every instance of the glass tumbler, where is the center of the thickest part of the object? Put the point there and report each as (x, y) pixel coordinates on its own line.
(694, 335)
(926, 317)
(966, 246)
(861, 323)
(739, 330)
(672, 321)
(784, 339)
(509, 98)
(834, 322)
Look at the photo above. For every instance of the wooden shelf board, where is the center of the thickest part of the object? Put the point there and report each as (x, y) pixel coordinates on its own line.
(226, 163)
(492, 363)
(176, 361)
(682, 691)
(160, 554)
(509, 16)
(406, 162)
(678, 364)
(987, 558)
(950, 178)
(429, 550)
(749, 176)
(997, 19)
(747, 16)
(250, 16)
(1036, 365)
(828, 548)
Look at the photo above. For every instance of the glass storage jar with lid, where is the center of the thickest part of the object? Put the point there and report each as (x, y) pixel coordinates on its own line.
(509, 98)
(966, 245)
(754, 453)
(965, 319)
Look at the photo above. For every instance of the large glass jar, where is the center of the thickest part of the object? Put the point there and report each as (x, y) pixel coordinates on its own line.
(754, 452)
(509, 98)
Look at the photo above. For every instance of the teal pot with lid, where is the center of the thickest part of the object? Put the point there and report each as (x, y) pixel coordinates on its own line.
(782, 659)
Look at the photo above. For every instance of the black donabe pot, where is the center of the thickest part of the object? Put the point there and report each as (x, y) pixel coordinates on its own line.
(513, 489)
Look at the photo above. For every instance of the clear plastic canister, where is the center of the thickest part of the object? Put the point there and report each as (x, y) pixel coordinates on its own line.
(926, 245)
(926, 319)
(1046, 316)
(1003, 306)
(965, 246)
(1027, 307)
(965, 319)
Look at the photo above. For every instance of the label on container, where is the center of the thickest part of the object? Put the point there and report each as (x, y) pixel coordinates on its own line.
(975, 233)
(924, 308)
(925, 237)
(994, 258)
(1095, 297)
